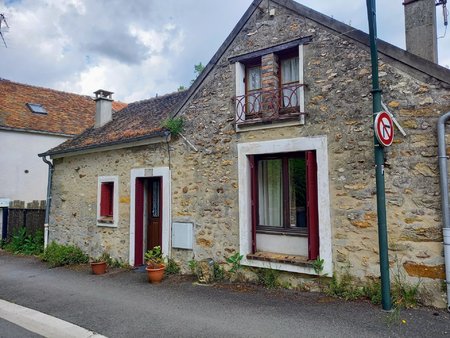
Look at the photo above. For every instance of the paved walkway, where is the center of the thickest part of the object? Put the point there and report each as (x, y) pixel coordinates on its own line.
(123, 304)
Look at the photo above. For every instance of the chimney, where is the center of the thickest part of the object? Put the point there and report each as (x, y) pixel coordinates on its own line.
(420, 28)
(103, 108)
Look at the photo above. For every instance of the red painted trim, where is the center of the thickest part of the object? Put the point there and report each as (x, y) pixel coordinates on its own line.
(139, 223)
(254, 198)
(312, 205)
(106, 198)
(160, 208)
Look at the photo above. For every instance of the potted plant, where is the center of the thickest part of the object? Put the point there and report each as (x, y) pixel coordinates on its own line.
(155, 265)
(99, 265)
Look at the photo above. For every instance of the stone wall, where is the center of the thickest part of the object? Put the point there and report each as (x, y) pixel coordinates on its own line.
(338, 104)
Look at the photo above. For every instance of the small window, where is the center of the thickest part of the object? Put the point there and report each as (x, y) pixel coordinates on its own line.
(107, 201)
(290, 82)
(36, 108)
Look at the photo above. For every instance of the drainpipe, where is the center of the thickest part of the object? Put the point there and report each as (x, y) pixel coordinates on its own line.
(442, 156)
(49, 198)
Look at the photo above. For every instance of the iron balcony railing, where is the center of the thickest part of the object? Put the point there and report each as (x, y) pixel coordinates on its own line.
(269, 105)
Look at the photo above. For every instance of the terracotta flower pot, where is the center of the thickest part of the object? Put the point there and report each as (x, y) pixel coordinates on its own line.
(98, 268)
(155, 275)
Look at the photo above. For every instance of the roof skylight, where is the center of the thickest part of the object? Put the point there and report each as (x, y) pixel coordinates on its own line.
(36, 108)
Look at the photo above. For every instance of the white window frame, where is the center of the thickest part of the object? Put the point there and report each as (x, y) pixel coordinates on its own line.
(319, 144)
(240, 72)
(115, 181)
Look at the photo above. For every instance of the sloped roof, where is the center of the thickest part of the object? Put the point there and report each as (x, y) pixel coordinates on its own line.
(399, 55)
(67, 113)
(139, 120)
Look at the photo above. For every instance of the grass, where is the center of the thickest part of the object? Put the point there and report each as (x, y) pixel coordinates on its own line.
(172, 268)
(268, 278)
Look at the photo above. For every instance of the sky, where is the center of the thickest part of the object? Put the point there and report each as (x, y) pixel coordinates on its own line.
(140, 48)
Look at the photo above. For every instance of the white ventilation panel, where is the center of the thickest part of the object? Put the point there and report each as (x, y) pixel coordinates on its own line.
(182, 235)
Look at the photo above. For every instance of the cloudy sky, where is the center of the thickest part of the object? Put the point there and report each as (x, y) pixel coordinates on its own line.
(139, 48)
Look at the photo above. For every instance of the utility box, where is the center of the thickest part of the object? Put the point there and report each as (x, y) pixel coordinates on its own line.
(182, 235)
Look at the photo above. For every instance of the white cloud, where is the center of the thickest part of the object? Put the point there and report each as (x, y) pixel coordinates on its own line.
(143, 47)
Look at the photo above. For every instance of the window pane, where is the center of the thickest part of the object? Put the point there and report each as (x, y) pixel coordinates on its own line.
(289, 70)
(254, 78)
(297, 193)
(155, 199)
(270, 191)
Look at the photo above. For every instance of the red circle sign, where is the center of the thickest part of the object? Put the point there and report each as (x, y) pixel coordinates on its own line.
(384, 128)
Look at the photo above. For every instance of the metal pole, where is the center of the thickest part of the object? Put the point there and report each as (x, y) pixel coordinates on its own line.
(379, 165)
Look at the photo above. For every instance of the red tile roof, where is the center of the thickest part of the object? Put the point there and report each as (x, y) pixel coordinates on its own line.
(139, 120)
(67, 113)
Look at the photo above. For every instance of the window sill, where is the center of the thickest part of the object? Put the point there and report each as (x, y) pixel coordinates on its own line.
(301, 232)
(258, 124)
(106, 222)
(280, 258)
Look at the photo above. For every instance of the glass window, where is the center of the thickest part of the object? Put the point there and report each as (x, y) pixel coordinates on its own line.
(281, 191)
(36, 108)
(289, 80)
(253, 89)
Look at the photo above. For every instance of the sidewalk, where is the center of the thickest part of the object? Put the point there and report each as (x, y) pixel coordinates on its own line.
(123, 304)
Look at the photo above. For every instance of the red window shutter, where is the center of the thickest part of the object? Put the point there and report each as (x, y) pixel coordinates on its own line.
(254, 198)
(106, 199)
(312, 205)
(139, 223)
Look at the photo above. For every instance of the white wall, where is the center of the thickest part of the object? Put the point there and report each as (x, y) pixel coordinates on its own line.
(19, 152)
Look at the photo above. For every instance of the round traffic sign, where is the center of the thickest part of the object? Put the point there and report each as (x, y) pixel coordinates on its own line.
(384, 128)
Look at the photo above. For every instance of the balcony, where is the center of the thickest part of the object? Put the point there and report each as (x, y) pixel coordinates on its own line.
(266, 106)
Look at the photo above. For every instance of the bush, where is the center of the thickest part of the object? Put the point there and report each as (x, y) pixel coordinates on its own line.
(172, 268)
(268, 278)
(59, 255)
(26, 244)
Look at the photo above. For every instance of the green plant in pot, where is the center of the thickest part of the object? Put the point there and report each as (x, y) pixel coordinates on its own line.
(155, 265)
(99, 264)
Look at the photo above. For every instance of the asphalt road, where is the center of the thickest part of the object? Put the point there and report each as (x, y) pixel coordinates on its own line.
(123, 304)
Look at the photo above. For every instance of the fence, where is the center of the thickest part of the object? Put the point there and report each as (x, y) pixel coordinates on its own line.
(31, 216)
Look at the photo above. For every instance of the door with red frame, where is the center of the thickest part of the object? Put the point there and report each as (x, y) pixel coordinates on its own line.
(148, 216)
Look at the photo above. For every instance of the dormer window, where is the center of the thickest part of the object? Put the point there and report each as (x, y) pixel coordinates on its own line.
(269, 84)
(36, 108)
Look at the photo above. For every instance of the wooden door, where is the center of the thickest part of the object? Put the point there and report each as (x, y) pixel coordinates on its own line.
(154, 207)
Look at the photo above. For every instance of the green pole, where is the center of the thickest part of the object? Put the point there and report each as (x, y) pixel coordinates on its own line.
(379, 164)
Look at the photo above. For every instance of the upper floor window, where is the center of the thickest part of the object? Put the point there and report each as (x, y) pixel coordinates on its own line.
(269, 84)
(36, 108)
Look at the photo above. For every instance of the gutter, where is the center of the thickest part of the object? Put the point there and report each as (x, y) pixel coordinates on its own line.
(49, 199)
(443, 174)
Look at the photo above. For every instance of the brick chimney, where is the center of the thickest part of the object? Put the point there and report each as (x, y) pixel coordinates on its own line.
(420, 28)
(103, 108)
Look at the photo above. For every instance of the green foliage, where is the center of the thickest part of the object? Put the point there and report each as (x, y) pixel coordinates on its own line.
(174, 125)
(198, 69)
(318, 266)
(181, 88)
(372, 290)
(235, 262)
(268, 278)
(344, 288)
(58, 255)
(154, 257)
(26, 244)
(219, 272)
(404, 295)
(193, 266)
(172, 268)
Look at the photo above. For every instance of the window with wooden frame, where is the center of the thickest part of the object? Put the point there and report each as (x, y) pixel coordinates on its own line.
(253, 87)
(107, 203)
(289, 80)
(284, 197)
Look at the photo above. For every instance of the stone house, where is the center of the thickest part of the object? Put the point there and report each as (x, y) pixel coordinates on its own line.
(275, 159)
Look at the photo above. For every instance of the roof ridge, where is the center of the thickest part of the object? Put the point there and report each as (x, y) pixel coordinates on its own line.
(45, 88)
(174, 93)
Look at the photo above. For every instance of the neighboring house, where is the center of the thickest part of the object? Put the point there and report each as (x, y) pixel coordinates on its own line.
(32, 120)
(275, 160)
